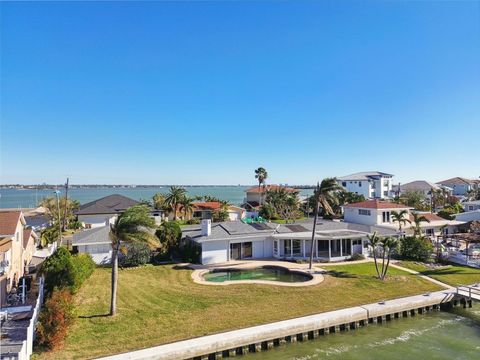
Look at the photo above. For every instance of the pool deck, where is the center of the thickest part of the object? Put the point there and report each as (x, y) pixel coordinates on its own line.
(200, 270)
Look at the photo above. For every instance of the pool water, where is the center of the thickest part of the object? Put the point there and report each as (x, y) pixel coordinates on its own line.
(263, 273)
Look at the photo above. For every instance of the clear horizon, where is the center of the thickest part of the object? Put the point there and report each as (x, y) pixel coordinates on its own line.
(202, 93)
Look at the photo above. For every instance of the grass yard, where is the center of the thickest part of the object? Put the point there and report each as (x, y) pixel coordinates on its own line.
(159, 304)
(450, 274)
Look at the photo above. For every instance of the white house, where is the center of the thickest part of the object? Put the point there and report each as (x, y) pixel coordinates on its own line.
(95, 242)
(379, 213)
(206, 210)
(460, 186)
(370, 184)
(422, 186)
(471, 205)
(467, 216)
(235, 240)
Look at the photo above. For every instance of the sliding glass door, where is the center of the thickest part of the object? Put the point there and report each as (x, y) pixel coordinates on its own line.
(241, 251)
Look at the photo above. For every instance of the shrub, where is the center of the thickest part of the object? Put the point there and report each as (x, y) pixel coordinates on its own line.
(191, 252)
(192, 221)
(169, 234)
(62, 270)
(55, 318)
(136, 254)
(416, 249)
(267, 212)
(356, 257)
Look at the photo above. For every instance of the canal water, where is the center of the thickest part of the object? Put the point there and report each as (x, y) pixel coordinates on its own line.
(437, 335)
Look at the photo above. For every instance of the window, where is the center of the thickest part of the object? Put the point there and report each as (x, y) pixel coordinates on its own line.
(385, 183)
(360, 184)
(275, 247)
(344, 183)
(246, 250)
(385, 193)
(297, 247)
(386, 216)
(364, 212)
(286, 247)
(357, 242)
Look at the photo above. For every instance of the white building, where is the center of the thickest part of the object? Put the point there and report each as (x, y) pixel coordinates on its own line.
(471, 205)
(370, 184)
(422, 186)
(460, 186)
(235, 240)
(95, 242)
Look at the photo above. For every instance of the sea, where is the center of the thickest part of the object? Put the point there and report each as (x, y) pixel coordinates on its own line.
(29, 198)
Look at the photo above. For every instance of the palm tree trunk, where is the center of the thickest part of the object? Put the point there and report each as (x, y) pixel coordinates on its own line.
(383, 262)
(315, 217)
(388, 263)
(113, 300)
(375, 261)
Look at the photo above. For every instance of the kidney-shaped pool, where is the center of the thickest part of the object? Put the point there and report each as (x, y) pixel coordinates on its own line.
(266, 273)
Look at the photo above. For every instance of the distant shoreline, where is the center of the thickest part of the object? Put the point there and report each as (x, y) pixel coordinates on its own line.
(120, 186)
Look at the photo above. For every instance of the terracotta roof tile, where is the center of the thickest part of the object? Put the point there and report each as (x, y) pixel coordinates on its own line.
(207, 205)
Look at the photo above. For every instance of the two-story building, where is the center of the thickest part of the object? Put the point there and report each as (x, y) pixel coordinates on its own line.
(421, 186)
(206, 210)
(255, 197)
(460, 186)
(370, 184)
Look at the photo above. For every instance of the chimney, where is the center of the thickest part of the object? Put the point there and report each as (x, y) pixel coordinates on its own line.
(206, 227)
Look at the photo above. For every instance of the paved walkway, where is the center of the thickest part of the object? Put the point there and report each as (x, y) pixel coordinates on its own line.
(446, 286)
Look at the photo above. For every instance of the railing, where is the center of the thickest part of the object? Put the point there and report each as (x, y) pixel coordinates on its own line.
(472, 291)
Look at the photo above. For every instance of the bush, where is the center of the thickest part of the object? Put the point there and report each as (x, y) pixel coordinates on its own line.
(191, 252)
(136, 254)
(356, 257)
(416, 249)
(267, 212)
(55, 318)
(169, 235)
(62, 270)
(192, 221)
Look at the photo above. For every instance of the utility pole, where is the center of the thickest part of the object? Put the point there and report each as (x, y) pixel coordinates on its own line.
(57, 193)
(64, 222)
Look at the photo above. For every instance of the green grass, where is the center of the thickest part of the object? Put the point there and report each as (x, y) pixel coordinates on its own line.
(453, 275)
(161, 304)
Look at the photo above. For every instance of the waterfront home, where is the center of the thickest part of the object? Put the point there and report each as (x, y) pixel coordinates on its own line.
(235, 240)
(370, 184)
(12, 266)
(207, 209)
(471, 205)
(460, 186)
(468, 216)
(95, 242)
(104, 211)
(379, 213)
(30, 242)
(255, 197)
(421, 186)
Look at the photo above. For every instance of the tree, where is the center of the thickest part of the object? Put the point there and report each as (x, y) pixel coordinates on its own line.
(132, 226)
(261, 175)
(415, 248)
(50, 234)
(325, 196)
(285, 203)
(473, 195)
(389, 244)
(374, 242)
(67, 209)
(187, 206)
(401, 217)
(417, 223)
(169, 235)
(222, 213)
(174, 198)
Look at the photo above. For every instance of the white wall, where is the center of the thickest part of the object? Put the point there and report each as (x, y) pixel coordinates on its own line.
(215, 251)
(468, 216)
(365, 188)
(97, 220)
(258, 249)
(357, 187)
(352, 215)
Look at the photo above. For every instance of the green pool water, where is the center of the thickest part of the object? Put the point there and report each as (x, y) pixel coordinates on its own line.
(439, 335)
(264, 273)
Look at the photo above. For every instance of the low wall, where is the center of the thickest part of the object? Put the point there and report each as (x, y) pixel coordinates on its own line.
(262, 337)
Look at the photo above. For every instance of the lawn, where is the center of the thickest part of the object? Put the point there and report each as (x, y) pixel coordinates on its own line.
(160, 304)
(453, 275)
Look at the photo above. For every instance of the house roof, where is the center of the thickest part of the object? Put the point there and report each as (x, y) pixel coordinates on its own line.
(473, 202)
(9, 220)
(377, 204)
(111, 204)
(261, 189)
(100, 235)
(457, 181)
(238, 230)
(26, 236)
(207, 205)
(366, 175)
(419, 185)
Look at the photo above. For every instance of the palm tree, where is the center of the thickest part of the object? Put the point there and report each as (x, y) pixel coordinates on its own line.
(417, 222)
(174, 198)
(261, 175)
(389, 244)
(401, 218)
(374, 242)
(187, 205)
(135, 225)
(326, 197)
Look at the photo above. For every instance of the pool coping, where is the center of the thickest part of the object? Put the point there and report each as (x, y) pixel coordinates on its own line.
(315, 273)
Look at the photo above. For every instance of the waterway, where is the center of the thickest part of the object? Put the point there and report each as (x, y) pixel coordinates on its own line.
(15, 198)
(437, 335)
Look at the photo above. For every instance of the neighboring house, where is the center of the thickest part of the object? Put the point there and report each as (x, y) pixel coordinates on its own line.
(12, 266)
(95, 242)
(468, 216)
(370, 184)
(471, 205)
(30, 242)
(460, 186)
(206, 210)
(104, 211)
(37, 218)
(235, 240)
(422, 186)
(379, 213)
(255, 197)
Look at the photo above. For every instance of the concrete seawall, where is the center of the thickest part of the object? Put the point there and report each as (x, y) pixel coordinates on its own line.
(264, 337)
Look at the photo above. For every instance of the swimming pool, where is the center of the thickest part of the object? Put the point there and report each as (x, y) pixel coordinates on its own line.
(265, 273)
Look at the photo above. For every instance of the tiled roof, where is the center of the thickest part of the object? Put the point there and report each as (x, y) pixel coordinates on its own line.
(207, 205)
(377, 204)
(8, 221)
(111, 204)
(457, 181)
(26, 236)
(430, 217)
(419, 185)
(261, 189)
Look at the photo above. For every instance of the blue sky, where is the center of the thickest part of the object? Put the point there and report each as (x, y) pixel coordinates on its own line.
(204, 92)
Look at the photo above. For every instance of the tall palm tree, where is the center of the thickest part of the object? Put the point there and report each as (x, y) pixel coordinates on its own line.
(135, 225)
(174, 198)
(326, 197)
(401, 217)
(417, 223)
(374, 242)
(389, 244)
(261, 175)
(187, 205)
